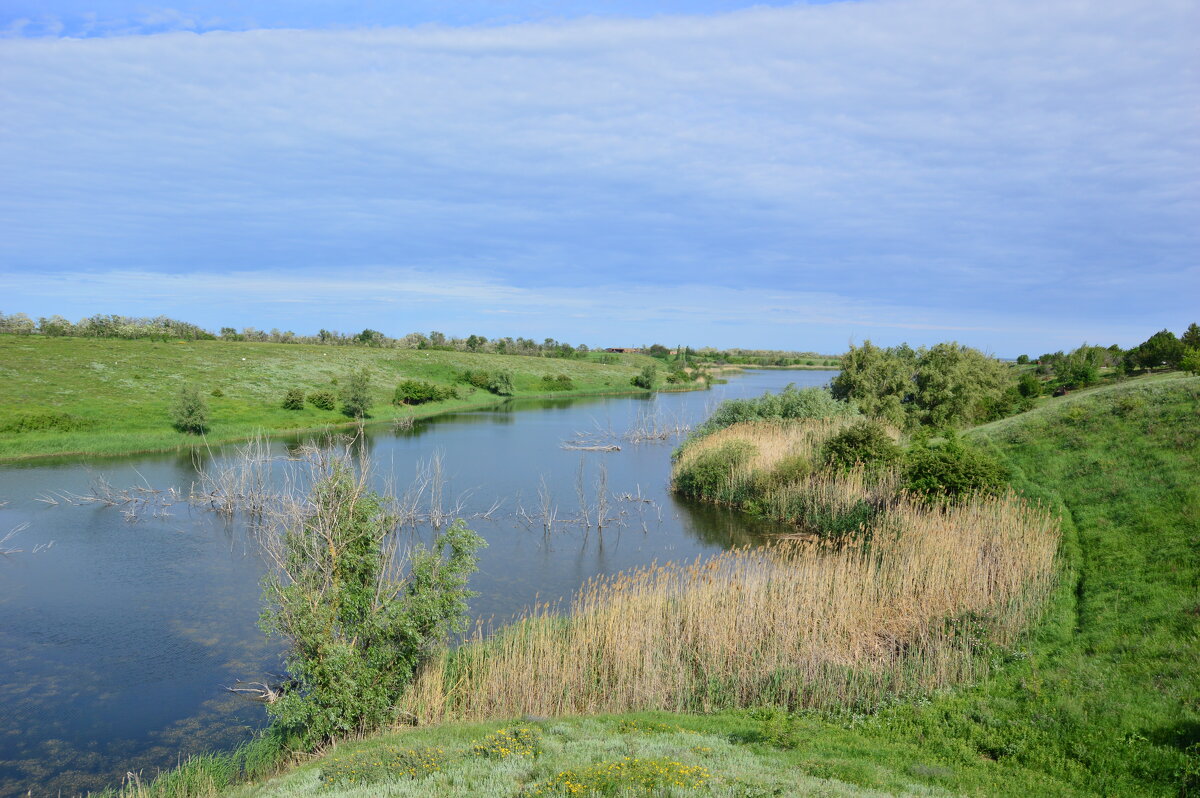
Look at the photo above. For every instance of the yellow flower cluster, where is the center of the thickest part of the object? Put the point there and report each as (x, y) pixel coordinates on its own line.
(518, 741)
(629, 775)
(379, 764)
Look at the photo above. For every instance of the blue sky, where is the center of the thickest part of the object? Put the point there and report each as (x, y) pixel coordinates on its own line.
(1019, 177)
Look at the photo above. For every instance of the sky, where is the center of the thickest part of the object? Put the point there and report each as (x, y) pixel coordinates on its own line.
(1019, 177)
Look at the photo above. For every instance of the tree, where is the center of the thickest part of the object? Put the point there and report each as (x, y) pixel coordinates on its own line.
(356, 628)
(1022, 360)
(1191, 337)
(878, 380)
(1160, 349)
(1191, 361)
(190, 413)
(646, 379)
(356, 395)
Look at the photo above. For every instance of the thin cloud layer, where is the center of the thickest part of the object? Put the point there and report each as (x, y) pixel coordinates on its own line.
(1030, 165)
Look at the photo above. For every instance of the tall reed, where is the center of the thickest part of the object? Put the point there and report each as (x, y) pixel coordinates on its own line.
(796, 624)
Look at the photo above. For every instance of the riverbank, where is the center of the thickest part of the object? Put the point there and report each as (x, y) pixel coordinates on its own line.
(90, 397)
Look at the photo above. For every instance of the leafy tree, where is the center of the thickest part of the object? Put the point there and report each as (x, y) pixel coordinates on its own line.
(646, 379)
(1191, 337)
(879, 381)
(1029, 386)
(957, 385)
(1022, 360)
(1191, 361)
(356, 631)
(356, 395)
(951, 471)
(190, 413)
(1160, 349)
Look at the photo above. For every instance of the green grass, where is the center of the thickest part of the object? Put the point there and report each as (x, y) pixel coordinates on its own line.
(108, 396)
(1103, 698)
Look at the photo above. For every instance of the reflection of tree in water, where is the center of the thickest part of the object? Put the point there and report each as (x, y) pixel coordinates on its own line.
(725, 527)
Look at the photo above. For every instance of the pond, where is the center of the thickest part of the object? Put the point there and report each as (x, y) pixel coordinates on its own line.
(120, 624)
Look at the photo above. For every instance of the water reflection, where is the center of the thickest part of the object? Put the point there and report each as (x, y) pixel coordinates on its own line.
(116, 639)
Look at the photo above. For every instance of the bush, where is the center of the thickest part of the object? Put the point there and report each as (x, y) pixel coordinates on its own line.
(864, 443)
(560, 383)
(646, 379)
(356, 634)
(791, 469)
(45, 421)
(417, 392)
(709, 474)
(323, 400)
(1029, 386)
(790, 403)
(356, 395)
(497, 382)
(293, 399)
(951, 471)
(190, 413)
(217, 392)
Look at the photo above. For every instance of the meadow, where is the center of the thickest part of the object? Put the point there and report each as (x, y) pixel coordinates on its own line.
(63, 395)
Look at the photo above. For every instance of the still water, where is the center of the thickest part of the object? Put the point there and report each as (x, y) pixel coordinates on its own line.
(118, 630)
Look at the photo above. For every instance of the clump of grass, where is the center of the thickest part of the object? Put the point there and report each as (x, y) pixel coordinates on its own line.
(381, 763)
(506, 742)
(44, 421)
(636, 726)
(627, 776)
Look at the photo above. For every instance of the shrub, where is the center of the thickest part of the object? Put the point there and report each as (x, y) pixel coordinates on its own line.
(790, 403)
(503, 743)
(1190, 361)
(791, 469)
(45, 421)
(864, 443)
(646, 379)
(1029, 385)
(497, 382)
(356, 395)
(356, 634)
(709, 474)
(951, 471)
(217, 392)
(323, 400)
(293, 399)
(560, 383)
(190, 413)
(417, 392)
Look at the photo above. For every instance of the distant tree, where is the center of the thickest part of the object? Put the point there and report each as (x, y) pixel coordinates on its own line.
(356, 395)
(190, 413)
(1160, 349)
(369, 337)
(1022, 359)
(1191, 337)
(646, 379)
(437, 339)
(1191, 361)
(475, 342)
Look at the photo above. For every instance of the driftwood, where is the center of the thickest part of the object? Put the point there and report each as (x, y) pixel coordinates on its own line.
(580, 447)
(262, 692)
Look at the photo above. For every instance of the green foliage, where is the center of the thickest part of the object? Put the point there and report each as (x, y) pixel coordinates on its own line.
(951, 471)
(506, 742)
(1022, 360)
(356, 395)
(417, 392)
(945, 386)
(44, 421)
(1029, 386)
(560, 383)
(708, 475)
(629, 776)
(497, 382)
(1191, 336)
(355, 631)
(790, 403)
(1160, 349)
(217, 393)
(864, 443)
(190, 413)
(790, 469)
(293, 399)
(323, 399)
(646, 380)
(382, 763)
(1190, 362)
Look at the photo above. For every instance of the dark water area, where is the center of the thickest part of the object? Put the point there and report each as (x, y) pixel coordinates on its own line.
(118, 628)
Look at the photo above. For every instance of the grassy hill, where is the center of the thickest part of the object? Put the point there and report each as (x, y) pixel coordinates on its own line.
(108, 396)
(1102, 699)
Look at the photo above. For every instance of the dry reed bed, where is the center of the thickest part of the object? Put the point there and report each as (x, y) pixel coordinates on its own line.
(795, 625)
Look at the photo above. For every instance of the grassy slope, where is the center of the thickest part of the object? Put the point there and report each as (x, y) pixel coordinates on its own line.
(124, 390)
(1104, 699)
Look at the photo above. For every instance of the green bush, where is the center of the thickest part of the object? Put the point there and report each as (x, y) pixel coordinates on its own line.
(709, 474)
(646, 379)
(217, 392)
(864, 443)
(44, 421)
(190, 413)
(1029, 385)
(356, 395)
(497, 382)
(417, 392)
(791, 469)
(293, 399)
(355, 634)
(323, 400)
(560, 383)
(951, 471)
